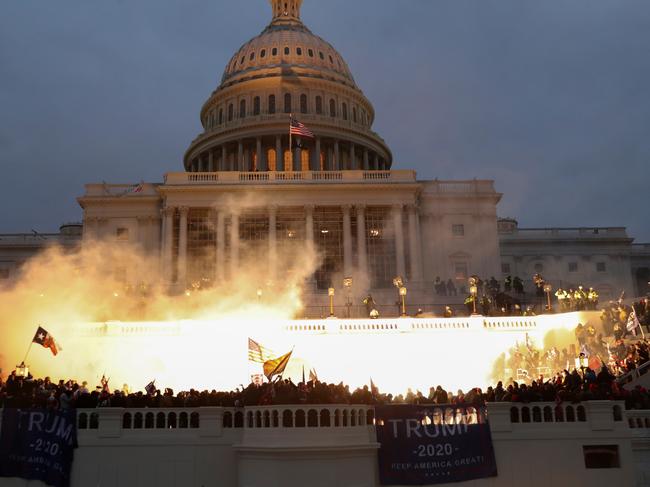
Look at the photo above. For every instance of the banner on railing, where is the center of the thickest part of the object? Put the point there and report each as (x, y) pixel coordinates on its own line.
(422, 445)
(38, 445)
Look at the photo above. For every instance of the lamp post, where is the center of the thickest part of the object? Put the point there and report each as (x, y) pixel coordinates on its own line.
(473, 291)
(548, 289)
(402, 295)
(330, 293)
(347, 285)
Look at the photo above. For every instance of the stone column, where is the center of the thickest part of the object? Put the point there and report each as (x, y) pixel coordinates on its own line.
(224, 158)
(347, 242)
(240, 156)
(366, 160)
(221, 248)
(362, 250)
(273, 243)
(297, 157)
(399, 241)
(414, 245)
(261, 160)
(337, 156)
(316, 159)
(168, 243)
(279, 156)
(234, 245)
(353, 156)
(182, 247)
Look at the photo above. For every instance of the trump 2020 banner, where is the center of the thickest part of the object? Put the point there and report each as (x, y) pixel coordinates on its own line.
(38, 445)
(422, 445)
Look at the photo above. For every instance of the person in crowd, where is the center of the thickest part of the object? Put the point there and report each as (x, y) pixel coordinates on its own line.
(451, 288)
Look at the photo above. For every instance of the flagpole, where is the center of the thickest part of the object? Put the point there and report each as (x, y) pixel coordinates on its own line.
(29, 349)
(290, 144)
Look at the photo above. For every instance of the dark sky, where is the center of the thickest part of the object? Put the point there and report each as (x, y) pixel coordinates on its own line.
(549, 98)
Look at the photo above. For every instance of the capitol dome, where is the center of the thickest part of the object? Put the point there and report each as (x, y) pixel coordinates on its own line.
(287, 70)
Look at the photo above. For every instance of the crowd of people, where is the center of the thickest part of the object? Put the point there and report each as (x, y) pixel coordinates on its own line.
(589, 377)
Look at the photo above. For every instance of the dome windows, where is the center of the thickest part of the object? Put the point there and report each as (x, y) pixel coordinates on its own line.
(256, 105)
(271, 104)
(331, 59)
(252, 56)
(354, 114)
(310, 52)
(299, 51)
(321, 55)
(319, 105)
(220, 116)
(287, 103)
(263, 53)
(242, 109)
(303, 103)
(231, 112)
(332, 108)
(243, 58)
(287, 51)
(274, 51)
(345, 111)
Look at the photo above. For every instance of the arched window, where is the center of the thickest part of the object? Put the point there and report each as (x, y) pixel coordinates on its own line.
(242, 109)
(271, 104)
(354, 114)
(320, 54)
(263, 53)
(332, 108)
(256, 105)
(299, 51)
(270, 157)
(252, 56)
(274, 51)
(303, 103)
(220, 116)
(319, 105)
(345, 111)
(287, 103)
(286, 51)
(231, 112)
(310, 52)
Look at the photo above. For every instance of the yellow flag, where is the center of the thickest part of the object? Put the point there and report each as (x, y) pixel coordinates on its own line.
(276, 366)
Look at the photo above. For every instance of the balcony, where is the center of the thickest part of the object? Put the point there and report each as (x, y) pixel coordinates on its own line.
(302, 177)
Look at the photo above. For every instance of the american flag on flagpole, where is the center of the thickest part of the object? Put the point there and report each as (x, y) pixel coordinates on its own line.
(258, 353)
(299, 129)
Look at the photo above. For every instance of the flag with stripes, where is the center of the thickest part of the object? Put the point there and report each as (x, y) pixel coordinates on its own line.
(257, 353)
(44, 339)
(299, 129)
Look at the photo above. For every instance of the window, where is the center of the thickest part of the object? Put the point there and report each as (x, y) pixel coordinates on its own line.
(122, 234)
(242, 109)
(303, 103)
(271, 104)
(4, 273)
(573, 267)
(332, 108)
(331, 59)
(345, 111)
(319, 105)
(287, 103)
(231, 112)
(310, 52)
(263, 53)
(601, 456)
(539, 267)
(505, 268)
(286, 51)
(601, 267)
(256, 105)
(354, 114)
(320, 54)
(252, 56)
(460, 271)
(274, 51)
(220, 116)
(458, 230)
(241, 61)
(299, 51)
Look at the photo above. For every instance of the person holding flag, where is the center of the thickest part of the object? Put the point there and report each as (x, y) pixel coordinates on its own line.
(276, 367)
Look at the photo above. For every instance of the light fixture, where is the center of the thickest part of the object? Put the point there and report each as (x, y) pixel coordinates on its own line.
(375, 233)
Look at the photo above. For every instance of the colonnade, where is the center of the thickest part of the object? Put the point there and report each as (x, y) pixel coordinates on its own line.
(219, 217)
(251, 154)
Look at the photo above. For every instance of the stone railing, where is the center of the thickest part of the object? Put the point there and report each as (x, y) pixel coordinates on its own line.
(273, 177)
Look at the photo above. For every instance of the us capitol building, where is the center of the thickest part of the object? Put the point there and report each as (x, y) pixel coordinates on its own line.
(247, 196)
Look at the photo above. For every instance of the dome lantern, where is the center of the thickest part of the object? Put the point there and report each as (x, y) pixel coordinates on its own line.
(286, 9)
